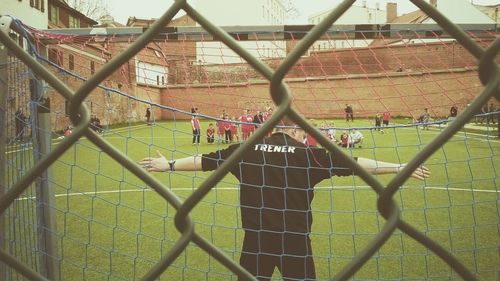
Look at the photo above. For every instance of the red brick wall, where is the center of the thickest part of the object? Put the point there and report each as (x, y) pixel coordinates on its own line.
(109, 106)
(403, 94)
(433, 75)
(413, 57)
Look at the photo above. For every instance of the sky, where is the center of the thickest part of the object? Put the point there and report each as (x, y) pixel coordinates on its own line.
(121, 10)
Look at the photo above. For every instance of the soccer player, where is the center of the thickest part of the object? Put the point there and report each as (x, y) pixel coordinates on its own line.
(220, 128)
(355, 137)
(258, 119)
(95, 124)
(332, 132)
(344, 139)
(148, 116)
(349, 113)
(195, 125)
(453, 111)
(386, 117)
(247, 127)
(234, 130)
(266, 115)
(378, 121)
(425, 118)
(227, 129)
(210, 133)
(277, 178)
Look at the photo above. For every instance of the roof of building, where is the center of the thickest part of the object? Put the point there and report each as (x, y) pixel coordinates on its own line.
(458, 11)
(413, 17)
(487, 6)
(184, 20)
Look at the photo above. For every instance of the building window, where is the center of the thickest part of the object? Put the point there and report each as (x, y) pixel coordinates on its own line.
(163, 80)
(54, 14)
(92, 67)
(55, 57)
(37, 4)
(71, 62)
(74, 22)
(157, 79)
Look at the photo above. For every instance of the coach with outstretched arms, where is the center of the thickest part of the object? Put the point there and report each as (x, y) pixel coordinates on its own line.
(277, 179)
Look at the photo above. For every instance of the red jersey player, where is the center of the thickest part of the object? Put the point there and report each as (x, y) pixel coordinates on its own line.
(234, 130)
(210, 134)
(246, 129)
(386, 116)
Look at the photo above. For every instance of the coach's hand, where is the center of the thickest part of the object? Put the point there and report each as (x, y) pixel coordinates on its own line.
(151, 164)
(420, 173)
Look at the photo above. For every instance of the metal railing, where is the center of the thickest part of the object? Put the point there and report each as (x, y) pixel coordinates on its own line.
(282, 96)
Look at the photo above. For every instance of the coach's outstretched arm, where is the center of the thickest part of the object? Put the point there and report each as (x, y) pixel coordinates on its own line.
(193, 163)
(380, 168)
(161, 164)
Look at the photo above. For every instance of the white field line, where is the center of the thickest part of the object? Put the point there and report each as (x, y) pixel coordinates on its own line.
(236, 188)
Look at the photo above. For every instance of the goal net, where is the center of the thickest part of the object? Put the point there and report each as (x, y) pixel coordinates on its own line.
(401, 86)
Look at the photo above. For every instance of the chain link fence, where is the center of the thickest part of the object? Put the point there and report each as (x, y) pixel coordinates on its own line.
(282, 96)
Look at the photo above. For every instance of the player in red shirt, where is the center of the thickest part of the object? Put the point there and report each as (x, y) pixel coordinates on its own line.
(234, 130)
(220, 129)
(344, 139)
(386, 116)
(267, 114)
(210, 133)
(195, 125)
(246, 129)
(227, 130)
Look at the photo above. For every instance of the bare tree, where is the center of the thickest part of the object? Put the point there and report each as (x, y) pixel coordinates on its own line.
(94, 9)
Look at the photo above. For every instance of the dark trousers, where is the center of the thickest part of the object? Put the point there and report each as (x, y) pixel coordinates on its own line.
(229, 136)
(349, 115)
(291, 253)
(196, 135)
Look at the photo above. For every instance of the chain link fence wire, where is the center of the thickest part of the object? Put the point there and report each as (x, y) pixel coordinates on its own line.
(282, 96)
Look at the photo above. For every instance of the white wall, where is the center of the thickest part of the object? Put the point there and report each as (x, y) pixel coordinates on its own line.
(354, 15)
(151, 74)
(244, 13)
(22, 11)
(461, 12)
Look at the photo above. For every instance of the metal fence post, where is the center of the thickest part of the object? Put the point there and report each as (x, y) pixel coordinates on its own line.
(3, 142)
(45, 197)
